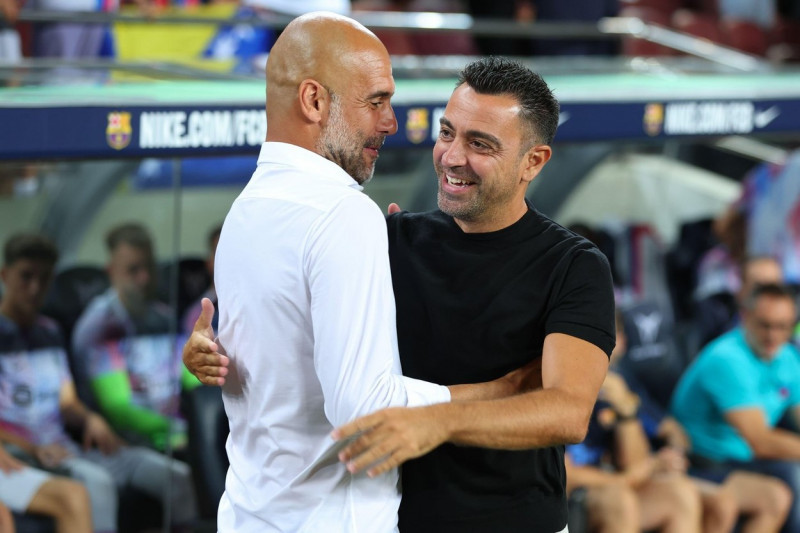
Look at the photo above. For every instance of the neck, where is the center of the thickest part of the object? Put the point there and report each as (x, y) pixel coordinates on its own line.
(490, 222)
(16, 315)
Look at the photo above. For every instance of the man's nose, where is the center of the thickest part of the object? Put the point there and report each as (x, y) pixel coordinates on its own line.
(454, 155)
(388, 122)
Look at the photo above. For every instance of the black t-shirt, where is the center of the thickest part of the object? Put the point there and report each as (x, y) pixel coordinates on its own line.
(470, 308)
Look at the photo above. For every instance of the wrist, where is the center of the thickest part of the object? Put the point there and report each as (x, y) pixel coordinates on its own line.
(626, 410)
(627, 415)
(446, 416)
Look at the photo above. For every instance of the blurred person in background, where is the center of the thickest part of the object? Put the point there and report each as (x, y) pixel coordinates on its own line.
(628, 487)
(771, 199)
(24, 489)
(10, 45)
(736, 391)
(38, 401)
(76, 39)
(125, 347)
(720, 311)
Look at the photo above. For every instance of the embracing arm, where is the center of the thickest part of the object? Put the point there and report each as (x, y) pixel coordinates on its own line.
(558, 413)
(203, 361)
(572, 372)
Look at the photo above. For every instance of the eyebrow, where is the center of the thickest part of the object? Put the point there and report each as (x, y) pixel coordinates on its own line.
(473, 133)
(380, 94)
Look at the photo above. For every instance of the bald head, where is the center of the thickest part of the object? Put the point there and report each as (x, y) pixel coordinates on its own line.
(329, 86)
(328, 48)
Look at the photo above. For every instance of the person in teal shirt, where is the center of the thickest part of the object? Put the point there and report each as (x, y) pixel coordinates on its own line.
(732, 397)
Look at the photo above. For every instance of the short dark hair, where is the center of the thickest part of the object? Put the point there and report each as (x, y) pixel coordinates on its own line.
(774, 290)
(130, 233)
(31, 246)
(497, 75)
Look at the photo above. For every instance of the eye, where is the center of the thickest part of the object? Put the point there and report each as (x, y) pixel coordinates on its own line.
(480, 145)
(444, 133)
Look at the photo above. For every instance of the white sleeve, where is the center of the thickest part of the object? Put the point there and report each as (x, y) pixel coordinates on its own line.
(353, 315)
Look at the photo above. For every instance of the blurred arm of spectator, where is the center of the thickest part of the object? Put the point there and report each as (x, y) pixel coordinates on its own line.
(673, 434)
(579, 475)
(95, 430)
(114, 393)
(8, 463)
(766, 442)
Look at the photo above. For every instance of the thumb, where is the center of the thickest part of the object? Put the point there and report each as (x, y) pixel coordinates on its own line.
(206, 316)
(393, 208)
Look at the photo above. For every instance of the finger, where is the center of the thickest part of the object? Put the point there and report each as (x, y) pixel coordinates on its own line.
(363, 424)
(211, 380)
(390, 462)
(393, 208)
(213, 364)
(358, 446)
(213, 371)
(48, 459)
(371, 457)
(198, 343)
(206, 316)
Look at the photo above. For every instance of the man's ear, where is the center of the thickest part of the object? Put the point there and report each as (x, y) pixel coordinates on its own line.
(314, 100)
(534, 160)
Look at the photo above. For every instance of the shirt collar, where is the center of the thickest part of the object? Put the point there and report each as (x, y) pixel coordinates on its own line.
(310, 162)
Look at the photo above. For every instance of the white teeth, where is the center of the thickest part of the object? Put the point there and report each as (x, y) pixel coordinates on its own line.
(455, 181)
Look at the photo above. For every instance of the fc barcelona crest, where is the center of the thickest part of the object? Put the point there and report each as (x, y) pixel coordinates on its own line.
(417, 124)
(118, 131)
(653, 119)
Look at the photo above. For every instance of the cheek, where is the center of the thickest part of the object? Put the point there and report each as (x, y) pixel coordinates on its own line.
(438, 150)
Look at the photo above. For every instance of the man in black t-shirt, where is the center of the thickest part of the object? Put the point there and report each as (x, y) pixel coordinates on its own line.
(483, 286)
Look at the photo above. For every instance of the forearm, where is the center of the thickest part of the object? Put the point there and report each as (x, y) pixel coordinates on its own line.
(114, 395)
(541, 418)
(491, 390)
(777, 444)
(22, 443)
(631, 443)
(523, 379)
(592, 476)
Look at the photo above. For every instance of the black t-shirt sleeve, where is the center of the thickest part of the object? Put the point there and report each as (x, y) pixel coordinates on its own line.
(583, 301)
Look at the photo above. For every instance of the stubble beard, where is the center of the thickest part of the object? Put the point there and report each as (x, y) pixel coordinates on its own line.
(485, 203)
(340, 143)
(468, 209)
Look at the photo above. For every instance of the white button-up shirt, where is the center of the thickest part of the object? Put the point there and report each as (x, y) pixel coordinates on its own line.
(307, 317)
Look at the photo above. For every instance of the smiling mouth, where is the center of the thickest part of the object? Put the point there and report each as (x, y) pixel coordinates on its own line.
(456, 182)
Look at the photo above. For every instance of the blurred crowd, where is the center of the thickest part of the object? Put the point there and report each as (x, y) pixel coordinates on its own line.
(766, 28)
